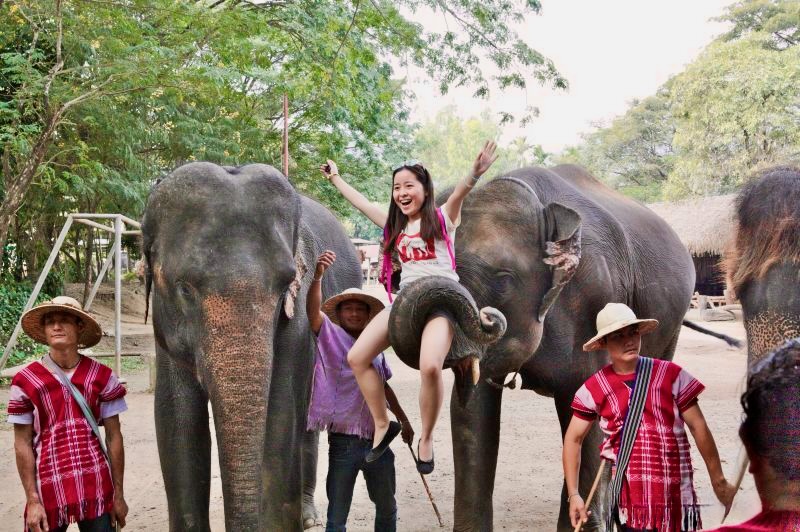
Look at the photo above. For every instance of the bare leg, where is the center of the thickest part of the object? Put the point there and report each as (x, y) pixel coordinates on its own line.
(373, 340)
(436, 339)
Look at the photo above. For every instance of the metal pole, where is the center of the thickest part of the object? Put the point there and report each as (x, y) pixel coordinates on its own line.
(95, 224)
(118, 294)
(130, 222)
(100, 277)
(36, 289)
(286, 135)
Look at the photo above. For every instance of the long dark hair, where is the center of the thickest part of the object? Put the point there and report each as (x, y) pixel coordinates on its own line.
(429, 226)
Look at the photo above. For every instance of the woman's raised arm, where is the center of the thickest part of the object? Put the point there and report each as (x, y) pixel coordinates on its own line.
(356, 198)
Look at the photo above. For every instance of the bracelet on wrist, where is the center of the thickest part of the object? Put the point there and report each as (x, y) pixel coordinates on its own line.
(569, 498)
(315, 280)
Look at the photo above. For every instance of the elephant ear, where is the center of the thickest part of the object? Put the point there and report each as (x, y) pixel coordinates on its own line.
(562, 251)
(294, 288)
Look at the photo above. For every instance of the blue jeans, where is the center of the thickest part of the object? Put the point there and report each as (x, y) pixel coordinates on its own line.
(345, 459)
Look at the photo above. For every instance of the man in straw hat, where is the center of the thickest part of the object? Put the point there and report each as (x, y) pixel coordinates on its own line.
(338, 406)
(61, 462)
(656, 490)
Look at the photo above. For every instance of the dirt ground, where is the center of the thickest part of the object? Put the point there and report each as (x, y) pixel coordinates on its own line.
(528, 483)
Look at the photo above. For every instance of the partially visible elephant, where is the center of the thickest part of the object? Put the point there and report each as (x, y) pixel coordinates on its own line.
(763, 261)
(230, 254)
(548, 249)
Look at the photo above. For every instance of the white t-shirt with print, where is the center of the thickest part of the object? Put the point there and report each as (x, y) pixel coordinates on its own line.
(420, 258)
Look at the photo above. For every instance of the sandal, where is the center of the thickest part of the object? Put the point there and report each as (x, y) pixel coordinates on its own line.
(425, 467)
(391, 433)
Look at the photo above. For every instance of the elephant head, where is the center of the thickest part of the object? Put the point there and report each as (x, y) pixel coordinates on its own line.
(763, 260)
(223, 267)
(514, 254)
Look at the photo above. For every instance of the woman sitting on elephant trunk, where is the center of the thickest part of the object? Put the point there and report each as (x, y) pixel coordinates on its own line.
(422, 236)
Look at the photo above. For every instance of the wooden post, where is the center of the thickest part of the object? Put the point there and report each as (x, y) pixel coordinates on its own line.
(703, 306)
(286, 135)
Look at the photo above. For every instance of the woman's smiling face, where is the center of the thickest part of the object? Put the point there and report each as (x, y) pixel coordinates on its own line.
(408, 193)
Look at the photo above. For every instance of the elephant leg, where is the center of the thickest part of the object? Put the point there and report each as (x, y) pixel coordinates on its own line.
(310, 450)
(590, 462)
(476, 435)
(184, 444)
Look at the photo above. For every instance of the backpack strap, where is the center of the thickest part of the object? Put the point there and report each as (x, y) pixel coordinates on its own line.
(386, 264)
(446, 236)
(644, 369)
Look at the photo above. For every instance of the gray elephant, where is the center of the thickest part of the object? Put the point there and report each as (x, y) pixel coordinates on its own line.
(548, 249)
(230, 254)
(763, 262)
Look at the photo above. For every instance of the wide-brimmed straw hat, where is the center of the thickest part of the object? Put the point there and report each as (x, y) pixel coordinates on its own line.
(374, 304)
(613, 317)
(33, 320)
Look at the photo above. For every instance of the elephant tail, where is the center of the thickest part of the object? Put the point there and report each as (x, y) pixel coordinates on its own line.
(728, 339)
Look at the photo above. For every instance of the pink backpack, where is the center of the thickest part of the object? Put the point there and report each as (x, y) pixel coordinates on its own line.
(386, 266)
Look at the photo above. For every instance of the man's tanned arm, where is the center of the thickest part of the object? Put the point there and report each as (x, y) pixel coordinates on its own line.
(116, 453)
(26, 466)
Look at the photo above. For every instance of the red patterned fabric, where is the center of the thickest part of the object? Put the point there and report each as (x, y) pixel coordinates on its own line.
(73, 477)
(766, 521)
(657, 491)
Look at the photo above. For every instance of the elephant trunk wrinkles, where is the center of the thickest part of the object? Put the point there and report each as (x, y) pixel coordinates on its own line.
(421, 299)
(238, 355)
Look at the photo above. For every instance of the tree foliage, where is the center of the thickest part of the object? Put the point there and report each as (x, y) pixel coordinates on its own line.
(733, 110)
(448, 144)
(99, 98)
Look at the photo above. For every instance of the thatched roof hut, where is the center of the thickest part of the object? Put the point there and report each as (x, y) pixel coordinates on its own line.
(704, 225)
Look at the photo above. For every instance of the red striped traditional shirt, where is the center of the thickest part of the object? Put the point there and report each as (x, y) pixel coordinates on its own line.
(657, 491)
(73, 477)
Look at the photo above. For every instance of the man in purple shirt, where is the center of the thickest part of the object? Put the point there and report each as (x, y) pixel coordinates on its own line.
(338, 406)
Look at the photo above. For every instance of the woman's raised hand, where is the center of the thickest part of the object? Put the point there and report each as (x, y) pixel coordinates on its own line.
(329, 169)
(484, 159)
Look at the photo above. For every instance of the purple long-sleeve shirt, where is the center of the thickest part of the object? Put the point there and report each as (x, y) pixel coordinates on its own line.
(336, 401)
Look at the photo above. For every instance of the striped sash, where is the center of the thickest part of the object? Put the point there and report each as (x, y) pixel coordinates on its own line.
(644, 368)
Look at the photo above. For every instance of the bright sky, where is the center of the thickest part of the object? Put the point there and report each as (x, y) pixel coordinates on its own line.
(611, 51)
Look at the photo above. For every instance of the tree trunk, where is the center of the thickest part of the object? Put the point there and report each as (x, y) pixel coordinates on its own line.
(17, 186)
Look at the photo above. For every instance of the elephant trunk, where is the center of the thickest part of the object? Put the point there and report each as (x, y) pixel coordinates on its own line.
(237, 370)
(474, 329)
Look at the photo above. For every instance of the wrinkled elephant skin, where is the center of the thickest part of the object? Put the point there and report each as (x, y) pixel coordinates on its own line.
(548, 249)
(763, 262)
(230, 255)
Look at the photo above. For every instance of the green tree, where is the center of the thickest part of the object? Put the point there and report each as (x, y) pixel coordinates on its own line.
(448, 144)
(634, 153)
(778, 20)
(733, 110)
(99, 98)
(736, 109)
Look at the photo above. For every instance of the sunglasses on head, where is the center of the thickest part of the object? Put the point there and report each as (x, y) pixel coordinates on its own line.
(410, 162)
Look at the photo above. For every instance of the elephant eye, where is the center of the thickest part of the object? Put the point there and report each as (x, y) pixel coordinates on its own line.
(503, 282)
(185, 290)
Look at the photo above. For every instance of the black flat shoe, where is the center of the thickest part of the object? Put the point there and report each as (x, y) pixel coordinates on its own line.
(425, 467)
(391, 433)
